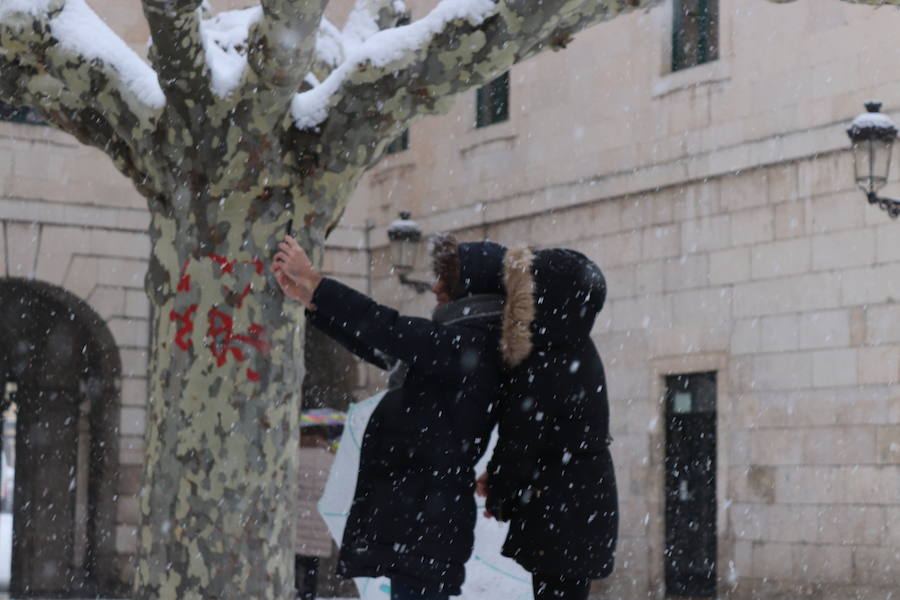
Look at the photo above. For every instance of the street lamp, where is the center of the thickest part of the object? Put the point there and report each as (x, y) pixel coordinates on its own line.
(872, 135)
(405, 235)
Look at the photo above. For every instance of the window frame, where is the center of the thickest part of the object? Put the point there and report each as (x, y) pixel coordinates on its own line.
(486, 113)
(708, 28)
(398, 144)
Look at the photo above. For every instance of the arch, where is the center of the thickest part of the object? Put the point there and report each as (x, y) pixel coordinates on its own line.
(67, 367)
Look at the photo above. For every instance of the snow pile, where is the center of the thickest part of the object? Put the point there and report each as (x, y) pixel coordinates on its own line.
(34, 8)
(361, 24)
(401, 226)
(79, 29)
(311, 108)
(225, 43)
(329, 44)
(872, 120)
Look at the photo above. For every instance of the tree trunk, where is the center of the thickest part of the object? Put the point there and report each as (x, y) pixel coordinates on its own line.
(223, 420)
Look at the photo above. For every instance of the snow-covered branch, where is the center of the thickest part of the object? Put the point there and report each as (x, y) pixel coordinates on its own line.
(399, 74)
(178, 55)
(57, 56)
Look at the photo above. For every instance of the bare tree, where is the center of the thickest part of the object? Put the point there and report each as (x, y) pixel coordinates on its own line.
(241, 123)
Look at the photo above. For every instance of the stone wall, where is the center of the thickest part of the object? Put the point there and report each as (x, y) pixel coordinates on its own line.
(720, 203)
(67, 218)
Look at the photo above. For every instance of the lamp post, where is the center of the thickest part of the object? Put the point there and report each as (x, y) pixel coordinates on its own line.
(405, 235)
(872, 135)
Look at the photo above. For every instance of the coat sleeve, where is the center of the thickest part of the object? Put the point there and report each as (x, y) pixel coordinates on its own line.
(522, 435)
(420, 343)
(326, 325)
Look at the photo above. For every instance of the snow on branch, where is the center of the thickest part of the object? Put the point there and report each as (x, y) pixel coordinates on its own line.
(59, 57)
(225, 42)
(58, 35)
(368, 17)
(384, 50)
(282, 43)
(399, 74)
(281, 49)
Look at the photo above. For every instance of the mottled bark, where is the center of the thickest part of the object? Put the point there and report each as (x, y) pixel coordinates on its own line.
(222, 176)
(280, 53)
(177, 56)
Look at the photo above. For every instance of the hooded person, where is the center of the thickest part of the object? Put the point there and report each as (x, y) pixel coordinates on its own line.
(413, 513)
(551, 474)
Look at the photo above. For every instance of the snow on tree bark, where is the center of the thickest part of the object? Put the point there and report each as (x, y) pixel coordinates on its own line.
(224, 162)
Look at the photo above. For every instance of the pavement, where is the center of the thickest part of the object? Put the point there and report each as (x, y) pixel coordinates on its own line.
(6, 559)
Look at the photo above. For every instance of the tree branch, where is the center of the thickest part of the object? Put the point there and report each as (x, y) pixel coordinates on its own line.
(178, 56)
(281, 51)
(61, 59)
(377, 93)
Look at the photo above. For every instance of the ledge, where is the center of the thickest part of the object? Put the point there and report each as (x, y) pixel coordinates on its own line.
(709, 73)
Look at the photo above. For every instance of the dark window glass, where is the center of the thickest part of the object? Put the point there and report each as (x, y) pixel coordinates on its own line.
(492, 102)
(695, 33)
(400, 143)
(20, 114)
(690, 484)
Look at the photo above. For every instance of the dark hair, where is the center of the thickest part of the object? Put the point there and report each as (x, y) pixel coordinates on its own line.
(445, 260)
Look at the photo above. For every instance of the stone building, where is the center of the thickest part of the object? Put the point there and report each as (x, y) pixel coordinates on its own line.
(751, 333)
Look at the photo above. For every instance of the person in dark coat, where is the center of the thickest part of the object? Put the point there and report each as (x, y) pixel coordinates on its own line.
(551, 474)
(413, 512)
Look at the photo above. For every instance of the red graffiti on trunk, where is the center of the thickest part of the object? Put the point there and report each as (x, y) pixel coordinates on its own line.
(221, 324)
(223, 340)
(187, 326)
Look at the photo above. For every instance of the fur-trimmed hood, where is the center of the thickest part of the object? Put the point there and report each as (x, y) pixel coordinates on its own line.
(552, 297)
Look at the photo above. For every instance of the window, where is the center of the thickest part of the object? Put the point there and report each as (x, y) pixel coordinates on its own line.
(492, 102)
(400, 143)
(695, 33)
(20, 114)
(690, 485)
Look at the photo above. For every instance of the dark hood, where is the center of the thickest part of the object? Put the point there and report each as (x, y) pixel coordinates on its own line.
(470, 268)
(480, 268)
(553, 297)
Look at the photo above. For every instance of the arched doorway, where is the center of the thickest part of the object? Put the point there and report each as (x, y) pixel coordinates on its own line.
(61, 362)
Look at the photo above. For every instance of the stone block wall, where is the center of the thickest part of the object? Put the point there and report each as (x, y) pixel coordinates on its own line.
(790, 295)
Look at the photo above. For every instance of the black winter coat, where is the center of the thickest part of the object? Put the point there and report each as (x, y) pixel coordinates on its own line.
(413, 511)
(551, 474)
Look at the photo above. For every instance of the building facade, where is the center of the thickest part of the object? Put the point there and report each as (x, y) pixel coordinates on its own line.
(696, 151)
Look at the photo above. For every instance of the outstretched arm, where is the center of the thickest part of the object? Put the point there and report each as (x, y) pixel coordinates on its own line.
(419, 343)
